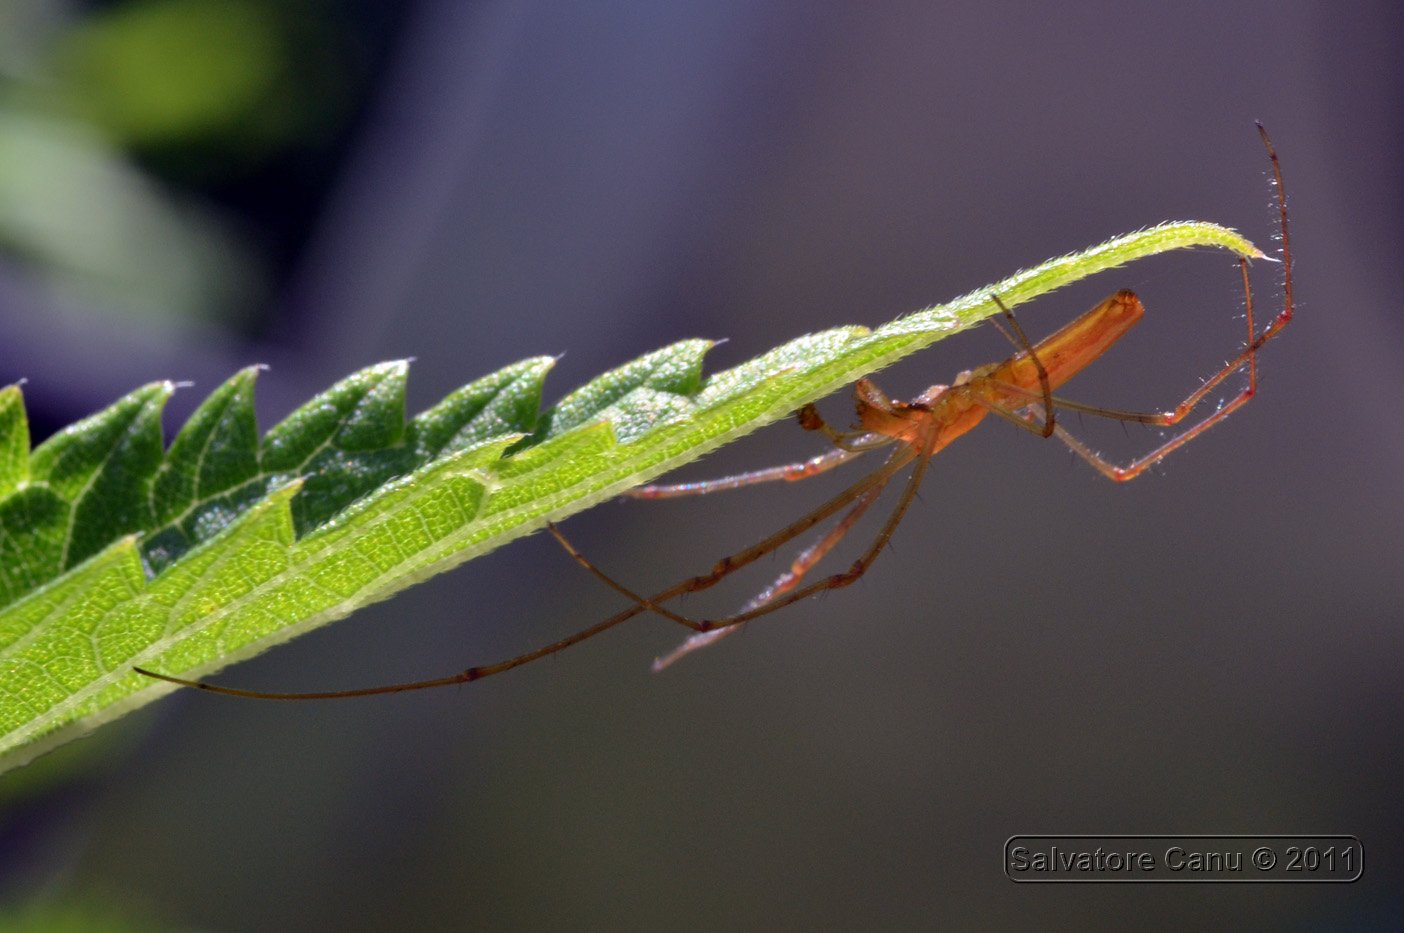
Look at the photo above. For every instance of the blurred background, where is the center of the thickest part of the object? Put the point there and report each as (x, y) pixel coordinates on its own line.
(190, 186)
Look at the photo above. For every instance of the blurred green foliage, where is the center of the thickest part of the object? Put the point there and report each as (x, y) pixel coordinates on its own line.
(125, 133)
(79, 917)
(170, 70)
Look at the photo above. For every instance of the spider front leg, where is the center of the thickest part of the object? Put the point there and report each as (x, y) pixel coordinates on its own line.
(1025, 418)
(1247, 357)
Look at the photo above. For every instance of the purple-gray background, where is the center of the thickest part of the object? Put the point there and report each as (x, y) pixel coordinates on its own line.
(1215, 648)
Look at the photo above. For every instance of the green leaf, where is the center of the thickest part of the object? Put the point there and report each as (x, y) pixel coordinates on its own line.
(114, 553)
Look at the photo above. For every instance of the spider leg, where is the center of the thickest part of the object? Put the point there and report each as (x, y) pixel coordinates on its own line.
(805, 561)
(1124, 472)
(922, 453)
(789, 472)
(719, 571)
(1021, 340)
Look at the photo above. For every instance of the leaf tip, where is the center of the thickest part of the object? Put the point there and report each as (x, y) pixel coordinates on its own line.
(389, 368)
(291, 488)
